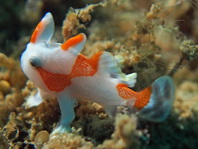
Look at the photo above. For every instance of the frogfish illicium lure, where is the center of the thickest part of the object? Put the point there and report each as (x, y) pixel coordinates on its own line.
(60, 70)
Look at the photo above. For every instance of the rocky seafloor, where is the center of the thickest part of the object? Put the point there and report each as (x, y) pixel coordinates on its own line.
(155, 38)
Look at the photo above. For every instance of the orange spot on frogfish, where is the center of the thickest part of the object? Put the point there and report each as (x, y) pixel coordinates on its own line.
(142, 97)
(72, 41)
(84, 66)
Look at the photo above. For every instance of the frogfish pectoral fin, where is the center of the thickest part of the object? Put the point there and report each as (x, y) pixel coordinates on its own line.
(67, 104)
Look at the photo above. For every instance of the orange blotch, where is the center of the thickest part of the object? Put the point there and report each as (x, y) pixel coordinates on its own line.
(82, 67)
(72, 41)
(142, 98)
(54, 82)
(86, 67)
(37, 32)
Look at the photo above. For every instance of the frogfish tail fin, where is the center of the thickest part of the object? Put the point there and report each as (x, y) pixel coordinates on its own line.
(161, 100)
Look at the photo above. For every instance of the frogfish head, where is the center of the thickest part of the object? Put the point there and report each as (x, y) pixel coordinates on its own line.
(37, 49)
(41, 52)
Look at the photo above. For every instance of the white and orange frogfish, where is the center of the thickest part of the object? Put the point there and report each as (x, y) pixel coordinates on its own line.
(61, 71)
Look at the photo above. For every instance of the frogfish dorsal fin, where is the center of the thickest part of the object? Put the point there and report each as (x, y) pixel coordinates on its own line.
(75, 44)
(44, 30)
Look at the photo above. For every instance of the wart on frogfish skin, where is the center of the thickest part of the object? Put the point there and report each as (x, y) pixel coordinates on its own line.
(61, 71)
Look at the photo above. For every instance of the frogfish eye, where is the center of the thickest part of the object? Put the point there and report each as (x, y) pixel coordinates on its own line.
(35, 62)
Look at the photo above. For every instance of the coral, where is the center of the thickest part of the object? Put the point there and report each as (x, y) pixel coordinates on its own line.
(187, 100)
(125, 134)
(72, 24)
(141, 51)
(10, 130)
(10, 87)
(67, 141)
(90, 117)
(12, 71)
(189, 49)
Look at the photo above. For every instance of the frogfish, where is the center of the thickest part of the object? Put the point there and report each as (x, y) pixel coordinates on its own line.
(60, 70)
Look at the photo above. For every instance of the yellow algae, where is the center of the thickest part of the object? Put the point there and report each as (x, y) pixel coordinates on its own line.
(4, 86)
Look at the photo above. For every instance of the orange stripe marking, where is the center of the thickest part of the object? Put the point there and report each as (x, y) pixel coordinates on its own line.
(142, 98)
(72, 41)
(82, 67)
(39, 29)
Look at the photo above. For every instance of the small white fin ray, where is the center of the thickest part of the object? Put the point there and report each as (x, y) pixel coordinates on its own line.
(108, 64)
(33, 100)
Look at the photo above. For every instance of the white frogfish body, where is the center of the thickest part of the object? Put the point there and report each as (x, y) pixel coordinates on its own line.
(61, 71)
